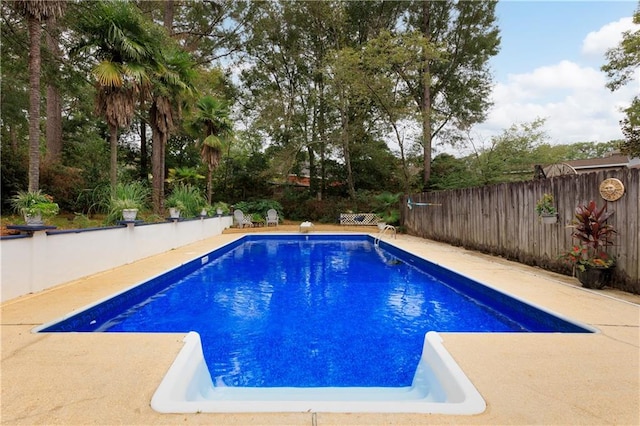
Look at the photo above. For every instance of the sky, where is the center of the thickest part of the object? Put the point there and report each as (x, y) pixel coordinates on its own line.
(549, 67)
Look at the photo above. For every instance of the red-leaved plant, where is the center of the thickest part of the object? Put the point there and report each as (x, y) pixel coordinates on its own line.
(593, 235)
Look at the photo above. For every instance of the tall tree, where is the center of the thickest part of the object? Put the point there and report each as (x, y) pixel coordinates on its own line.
(425, 100)
(208, 30)
(172, 81)
(512, 153)
(631, 144)
(36, 12)
(14, 84)
(212, 116)
(54, 102)
(279, 95)
(118, 40)
(289, 88)
(622, 63)
(453, 89)
(383, 63)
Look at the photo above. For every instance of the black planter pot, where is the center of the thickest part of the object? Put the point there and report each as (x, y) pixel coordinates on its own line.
(594, 277)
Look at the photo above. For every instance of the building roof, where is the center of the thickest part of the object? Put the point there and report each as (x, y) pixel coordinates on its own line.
(611, 162)
(615, 161)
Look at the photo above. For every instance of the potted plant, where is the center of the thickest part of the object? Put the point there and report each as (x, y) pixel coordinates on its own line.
(593, 266)
(34, 205)
(126, 200)
(221, 208)
(546, 209)
(175, 206)
(127, 208)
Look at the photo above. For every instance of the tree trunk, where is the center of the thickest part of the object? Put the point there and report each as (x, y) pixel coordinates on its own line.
(54, 124)
(209, 184)
(54, 103)
(159, 143)
(425, 108)
(168, 24)
(144, 164)
(35, 33)
(163, 165)
(322, 136)
(168, 16)
(313, 181)
(345, 151)
(13, 138)
(157, 171)
(403, 157)
(113, 150)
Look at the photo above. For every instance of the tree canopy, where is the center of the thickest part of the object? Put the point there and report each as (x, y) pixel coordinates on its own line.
(350, 97)
(622, 63)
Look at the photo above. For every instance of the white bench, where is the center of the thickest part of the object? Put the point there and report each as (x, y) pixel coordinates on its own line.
(368, 219)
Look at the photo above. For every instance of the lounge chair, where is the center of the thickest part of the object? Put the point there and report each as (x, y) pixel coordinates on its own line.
(272, 217)
(241, 219)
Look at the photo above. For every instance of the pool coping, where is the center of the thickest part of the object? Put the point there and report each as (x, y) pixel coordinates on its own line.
(80, 378)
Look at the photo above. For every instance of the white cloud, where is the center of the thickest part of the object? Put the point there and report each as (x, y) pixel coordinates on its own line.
(596, 43)
(571, 97)
(564, 75)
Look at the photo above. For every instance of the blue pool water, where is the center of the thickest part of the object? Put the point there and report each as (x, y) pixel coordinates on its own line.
(306, 311)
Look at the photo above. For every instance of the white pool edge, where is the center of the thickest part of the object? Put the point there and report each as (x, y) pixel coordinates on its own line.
(187, 386)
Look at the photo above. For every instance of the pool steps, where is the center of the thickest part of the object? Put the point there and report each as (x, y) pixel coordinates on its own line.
(439, 386)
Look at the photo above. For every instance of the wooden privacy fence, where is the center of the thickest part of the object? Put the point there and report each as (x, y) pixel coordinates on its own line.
(501, 220)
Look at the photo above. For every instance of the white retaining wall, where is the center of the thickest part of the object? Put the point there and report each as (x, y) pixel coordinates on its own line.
(46, 260)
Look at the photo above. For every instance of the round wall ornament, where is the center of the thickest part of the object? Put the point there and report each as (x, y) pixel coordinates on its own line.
(611, 189)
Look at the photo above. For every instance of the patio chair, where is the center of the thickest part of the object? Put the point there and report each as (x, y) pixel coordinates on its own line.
(272, 217)
(241, 219)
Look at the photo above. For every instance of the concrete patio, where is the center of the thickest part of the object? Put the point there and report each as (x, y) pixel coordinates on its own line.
(525, 378)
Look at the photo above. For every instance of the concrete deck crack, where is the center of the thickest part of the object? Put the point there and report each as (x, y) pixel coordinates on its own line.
(20, 323)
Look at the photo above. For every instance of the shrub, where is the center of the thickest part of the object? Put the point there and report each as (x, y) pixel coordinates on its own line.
(64, 183)
(388, 207)
(259, 206)
(188, 198)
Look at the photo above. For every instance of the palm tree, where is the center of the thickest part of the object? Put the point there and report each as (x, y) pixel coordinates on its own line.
(212, 115)
(36, 12)
(172, 82)
(184, 176)
(120, 41)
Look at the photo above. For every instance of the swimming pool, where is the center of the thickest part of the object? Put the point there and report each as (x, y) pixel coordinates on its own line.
(401, 369)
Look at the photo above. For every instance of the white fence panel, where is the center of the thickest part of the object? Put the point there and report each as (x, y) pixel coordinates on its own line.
(46, 260)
